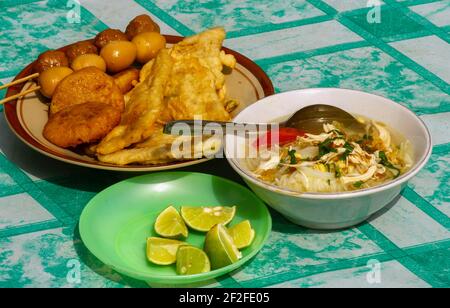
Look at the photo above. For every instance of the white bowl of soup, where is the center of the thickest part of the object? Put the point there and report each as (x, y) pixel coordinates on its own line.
(335, 178)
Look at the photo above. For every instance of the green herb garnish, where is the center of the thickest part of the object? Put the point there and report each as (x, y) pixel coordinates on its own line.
(358, 184)
(337, 171)
(291, 154)
(326, 147)
(385, 162)
(348, 150)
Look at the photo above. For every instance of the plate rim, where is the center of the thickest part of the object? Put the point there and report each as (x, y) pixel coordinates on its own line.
(176, 279)
(13, 121)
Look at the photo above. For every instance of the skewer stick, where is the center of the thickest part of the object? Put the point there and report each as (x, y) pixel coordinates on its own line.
(18, 95)
(21, 80)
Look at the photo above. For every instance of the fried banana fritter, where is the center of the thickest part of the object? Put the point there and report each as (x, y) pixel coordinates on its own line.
(143, 109)
(82, 123)
(157, 149)
(87, 85)
(197, 85)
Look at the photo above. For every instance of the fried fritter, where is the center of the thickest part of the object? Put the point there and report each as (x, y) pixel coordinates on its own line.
(82, 123)
(143, 109)
(160, 148)
(157, 150)
(183, 82)
(86, 85)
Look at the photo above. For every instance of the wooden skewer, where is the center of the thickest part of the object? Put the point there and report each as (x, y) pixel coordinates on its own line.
(23, 93)
(21, 80)
(18, 95)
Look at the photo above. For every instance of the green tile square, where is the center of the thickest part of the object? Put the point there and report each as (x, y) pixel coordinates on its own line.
(437, 264)
(393, 23)
(7, 185)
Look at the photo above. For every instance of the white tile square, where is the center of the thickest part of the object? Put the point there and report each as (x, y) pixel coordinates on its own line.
(19, 210)
(431, 52)
(297, 39)
(406, 225)
(296, 249)
(433, 182)
(237, 15)
(439, 126)
(392, 275)
(109, 12)
(437, 12)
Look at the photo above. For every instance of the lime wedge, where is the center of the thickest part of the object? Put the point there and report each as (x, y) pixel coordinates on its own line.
(242, 234)
(162, 251)
(220, 248)
(204, 218)
(191, 261)
(170, 224)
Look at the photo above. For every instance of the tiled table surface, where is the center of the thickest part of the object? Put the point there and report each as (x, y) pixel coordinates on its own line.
(300, 44)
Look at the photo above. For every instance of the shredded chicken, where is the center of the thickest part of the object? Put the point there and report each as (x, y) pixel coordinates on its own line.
(330, 161)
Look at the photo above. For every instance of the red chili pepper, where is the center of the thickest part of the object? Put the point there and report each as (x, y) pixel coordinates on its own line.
(285, 135)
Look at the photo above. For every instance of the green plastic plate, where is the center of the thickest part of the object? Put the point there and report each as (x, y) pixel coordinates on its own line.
(116, 223)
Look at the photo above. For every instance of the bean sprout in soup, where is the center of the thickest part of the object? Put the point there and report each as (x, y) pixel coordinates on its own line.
(334, 160)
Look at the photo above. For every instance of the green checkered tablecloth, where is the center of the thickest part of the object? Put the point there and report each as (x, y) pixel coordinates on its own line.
(300, 44)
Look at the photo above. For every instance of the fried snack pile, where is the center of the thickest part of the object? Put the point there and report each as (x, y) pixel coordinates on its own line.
(181, 82)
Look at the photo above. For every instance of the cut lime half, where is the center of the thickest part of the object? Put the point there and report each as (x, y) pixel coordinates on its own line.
(162, 251)
(220, 248)
(192, 261)
(204, 218)
(170, 224)
(242, 234)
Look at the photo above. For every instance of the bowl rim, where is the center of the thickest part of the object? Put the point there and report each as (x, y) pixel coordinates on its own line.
(347, 194)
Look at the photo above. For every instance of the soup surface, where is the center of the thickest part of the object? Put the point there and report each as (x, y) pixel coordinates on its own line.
(335, 160)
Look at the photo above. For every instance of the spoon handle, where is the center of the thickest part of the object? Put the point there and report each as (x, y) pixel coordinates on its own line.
(200, 127)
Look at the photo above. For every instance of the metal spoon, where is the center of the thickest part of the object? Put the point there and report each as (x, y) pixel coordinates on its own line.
(309, 119)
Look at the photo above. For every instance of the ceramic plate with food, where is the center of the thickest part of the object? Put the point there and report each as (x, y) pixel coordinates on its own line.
(156, 214)
(102, 103)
